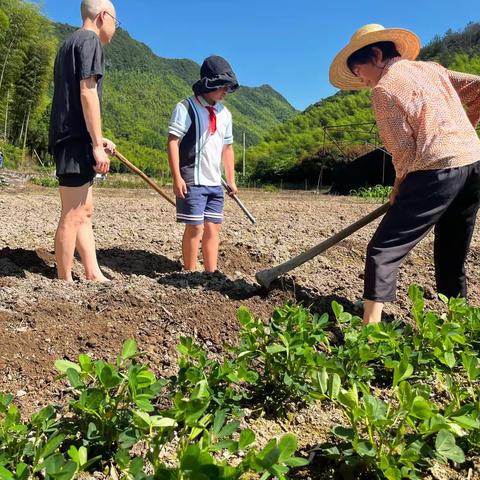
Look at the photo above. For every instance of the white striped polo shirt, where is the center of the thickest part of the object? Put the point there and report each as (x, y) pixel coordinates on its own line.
(201, 151)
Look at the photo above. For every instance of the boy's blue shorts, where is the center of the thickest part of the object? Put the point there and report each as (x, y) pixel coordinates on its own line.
(201, 204)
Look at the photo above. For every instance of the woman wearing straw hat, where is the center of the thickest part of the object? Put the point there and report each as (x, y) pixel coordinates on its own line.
(426, 116)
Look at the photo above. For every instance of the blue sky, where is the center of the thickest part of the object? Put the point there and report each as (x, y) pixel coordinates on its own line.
(287, 44)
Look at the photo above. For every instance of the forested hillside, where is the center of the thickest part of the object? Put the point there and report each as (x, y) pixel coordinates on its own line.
(141, 89)
(300, 147)
(27, 47)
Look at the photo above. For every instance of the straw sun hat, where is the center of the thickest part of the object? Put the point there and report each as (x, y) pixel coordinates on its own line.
(407, 43)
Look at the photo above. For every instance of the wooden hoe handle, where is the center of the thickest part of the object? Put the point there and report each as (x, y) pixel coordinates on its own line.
(144, 177)
(266, 277)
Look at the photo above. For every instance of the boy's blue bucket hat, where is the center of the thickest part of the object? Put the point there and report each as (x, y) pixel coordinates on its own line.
(215, 73)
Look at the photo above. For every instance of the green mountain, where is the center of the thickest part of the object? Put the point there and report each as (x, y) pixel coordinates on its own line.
(141, 90)
(310, 141)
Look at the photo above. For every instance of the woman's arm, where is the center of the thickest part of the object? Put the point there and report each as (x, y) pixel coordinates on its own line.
(468, 88)
(396, 187)
(394, 129)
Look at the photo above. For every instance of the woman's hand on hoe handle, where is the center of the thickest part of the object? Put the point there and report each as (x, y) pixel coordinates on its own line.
(396, 187)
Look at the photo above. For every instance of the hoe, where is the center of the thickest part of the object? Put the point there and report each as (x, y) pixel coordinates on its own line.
(266, 277)
(150, 182)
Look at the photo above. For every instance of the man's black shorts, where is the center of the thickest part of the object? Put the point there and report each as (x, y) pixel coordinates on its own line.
(74, 162)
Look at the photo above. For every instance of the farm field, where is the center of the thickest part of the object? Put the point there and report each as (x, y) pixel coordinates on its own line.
(152, 301)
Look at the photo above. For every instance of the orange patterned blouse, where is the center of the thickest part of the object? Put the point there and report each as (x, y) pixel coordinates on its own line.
(419, 108)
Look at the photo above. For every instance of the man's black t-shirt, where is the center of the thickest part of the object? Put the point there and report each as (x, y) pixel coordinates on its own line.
(80, 57)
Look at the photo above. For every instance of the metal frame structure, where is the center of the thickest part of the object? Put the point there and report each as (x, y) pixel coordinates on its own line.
(348, 126)
(375, 145)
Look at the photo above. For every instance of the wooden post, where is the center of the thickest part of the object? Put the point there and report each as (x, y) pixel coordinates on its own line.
(244, 153)
(38, 157)
(26, 129)
(6, 116)
(320, 179)
(383, 170)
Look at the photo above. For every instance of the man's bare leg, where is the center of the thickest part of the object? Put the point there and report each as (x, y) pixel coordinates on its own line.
(210, 243)
(73, 201)
(86, 243)
(75, 229)
(190, 245)
(372, 312)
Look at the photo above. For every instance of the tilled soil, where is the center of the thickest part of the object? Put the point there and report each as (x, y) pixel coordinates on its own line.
(152, 300)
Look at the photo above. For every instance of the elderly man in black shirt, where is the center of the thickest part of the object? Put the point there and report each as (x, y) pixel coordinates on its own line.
(75, 137)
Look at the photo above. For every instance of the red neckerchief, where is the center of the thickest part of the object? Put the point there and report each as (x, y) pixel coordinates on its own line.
(212, 117)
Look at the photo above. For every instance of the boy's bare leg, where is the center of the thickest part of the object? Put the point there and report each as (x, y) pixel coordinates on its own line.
(372, 312)
(73, 213)
(210, 243)
(86, 243)
(190, 244)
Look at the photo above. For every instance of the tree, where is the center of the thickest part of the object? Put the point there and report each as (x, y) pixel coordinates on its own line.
(27, 49)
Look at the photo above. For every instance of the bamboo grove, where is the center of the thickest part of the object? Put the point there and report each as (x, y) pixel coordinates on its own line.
(27, 49)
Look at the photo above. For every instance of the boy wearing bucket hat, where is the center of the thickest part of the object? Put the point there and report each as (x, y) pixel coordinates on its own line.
(426, 116)
(200, 136)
